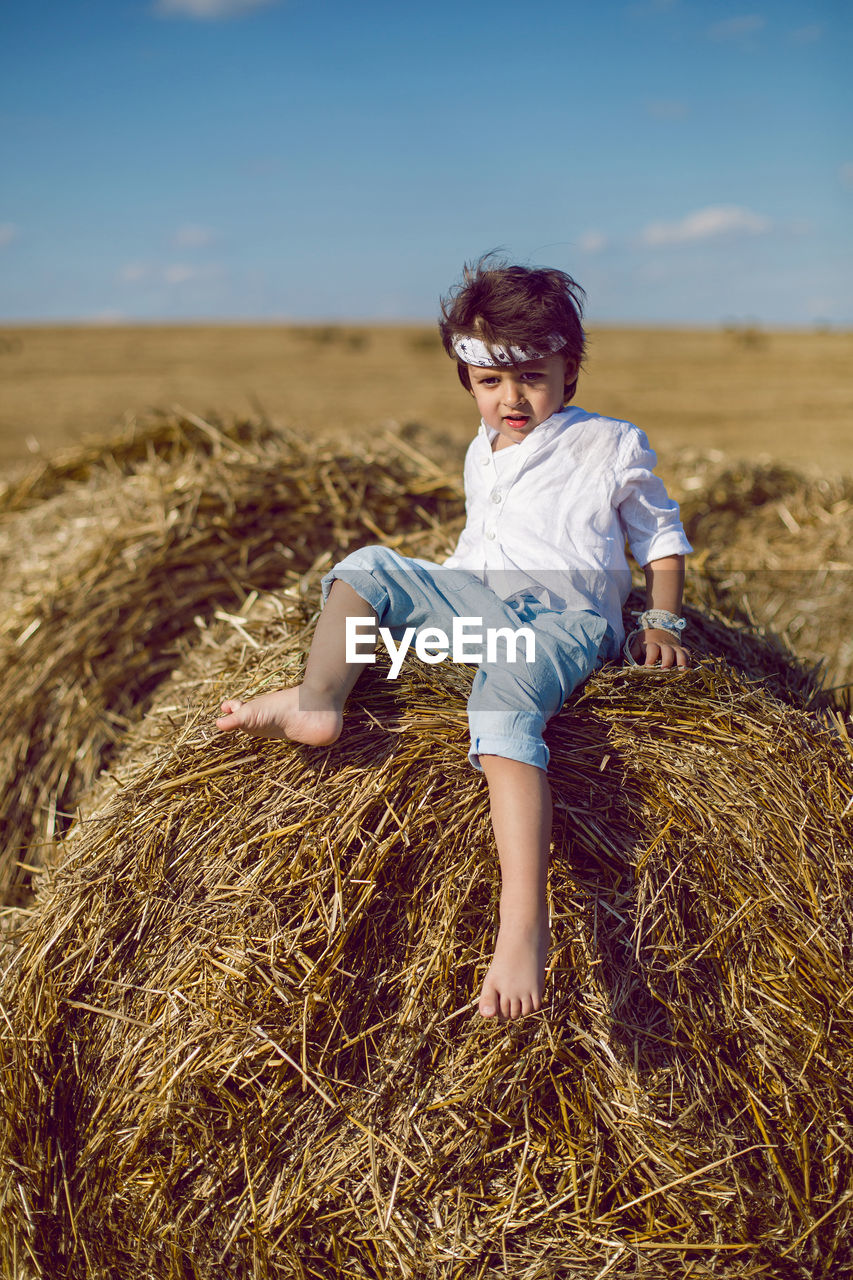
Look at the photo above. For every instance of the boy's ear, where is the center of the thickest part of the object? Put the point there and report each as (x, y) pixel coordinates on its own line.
(570, 375)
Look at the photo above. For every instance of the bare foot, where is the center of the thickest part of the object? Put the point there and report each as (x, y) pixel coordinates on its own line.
(281, 714)
(516, 978)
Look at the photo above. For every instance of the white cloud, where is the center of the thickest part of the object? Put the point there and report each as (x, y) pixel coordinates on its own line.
(593, 241)
(184, 272)
(706, 224)
(8, 233)
(133, 272)
(208, 10)
(737, 29)
(192, 236)
(173, 273)
(806, 35)
(179, 273)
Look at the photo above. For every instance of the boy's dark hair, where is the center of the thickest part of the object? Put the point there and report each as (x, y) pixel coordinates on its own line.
(506, 306)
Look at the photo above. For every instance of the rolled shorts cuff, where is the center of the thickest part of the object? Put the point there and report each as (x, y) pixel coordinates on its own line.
(363, 583)
(520, 739)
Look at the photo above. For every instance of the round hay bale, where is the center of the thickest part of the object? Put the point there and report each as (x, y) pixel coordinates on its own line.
(111, 552)
(239, 1031)
(125, 546)
(774, 549)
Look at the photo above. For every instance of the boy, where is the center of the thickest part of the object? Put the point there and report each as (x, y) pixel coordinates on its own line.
(551, 495)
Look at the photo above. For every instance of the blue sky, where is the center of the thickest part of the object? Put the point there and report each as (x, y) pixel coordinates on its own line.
(686, 161)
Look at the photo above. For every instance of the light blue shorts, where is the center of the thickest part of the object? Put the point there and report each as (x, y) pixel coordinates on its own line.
(510, 701)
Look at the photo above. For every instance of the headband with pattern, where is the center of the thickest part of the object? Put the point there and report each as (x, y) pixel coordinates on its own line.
(474, 351)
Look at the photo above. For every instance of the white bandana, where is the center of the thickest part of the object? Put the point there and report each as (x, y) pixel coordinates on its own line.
(474, 351)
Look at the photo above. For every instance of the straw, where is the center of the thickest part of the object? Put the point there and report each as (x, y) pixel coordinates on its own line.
(774, 552)
(237, 1025)
(124, 552)
(239, 1031)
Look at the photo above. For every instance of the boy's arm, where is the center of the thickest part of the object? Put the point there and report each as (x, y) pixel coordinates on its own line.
(664, 587)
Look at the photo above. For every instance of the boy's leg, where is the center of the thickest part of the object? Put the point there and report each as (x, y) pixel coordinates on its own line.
(311, 712)
(520, 802)
(509, 707)
(374, 582)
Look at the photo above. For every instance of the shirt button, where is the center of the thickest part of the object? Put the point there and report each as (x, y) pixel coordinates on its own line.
(497, 497)
(490, 534)
(486, 461)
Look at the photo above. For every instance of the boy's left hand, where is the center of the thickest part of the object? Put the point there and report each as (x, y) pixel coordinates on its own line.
(652, 648)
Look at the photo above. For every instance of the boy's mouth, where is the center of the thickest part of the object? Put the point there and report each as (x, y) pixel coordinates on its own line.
(517, 420)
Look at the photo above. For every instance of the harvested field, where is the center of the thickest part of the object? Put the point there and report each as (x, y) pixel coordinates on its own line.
(780, 395)
(238, 1030)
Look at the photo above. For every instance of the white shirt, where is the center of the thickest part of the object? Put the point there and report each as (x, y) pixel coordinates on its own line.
(550, 516)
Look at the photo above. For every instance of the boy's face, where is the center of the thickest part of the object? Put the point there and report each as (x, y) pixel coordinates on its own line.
(513, 401)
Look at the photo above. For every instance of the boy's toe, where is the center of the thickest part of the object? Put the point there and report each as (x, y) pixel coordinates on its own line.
(487, 1007)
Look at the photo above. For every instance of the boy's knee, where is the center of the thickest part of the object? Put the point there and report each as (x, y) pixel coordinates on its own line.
(380, 575)
(367, 558)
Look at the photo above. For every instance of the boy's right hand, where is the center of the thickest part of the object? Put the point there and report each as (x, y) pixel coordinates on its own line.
(656, 648)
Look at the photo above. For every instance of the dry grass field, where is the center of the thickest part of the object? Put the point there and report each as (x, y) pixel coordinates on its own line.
(784, 396)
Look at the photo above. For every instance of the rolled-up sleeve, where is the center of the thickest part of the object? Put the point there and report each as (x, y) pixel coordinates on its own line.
(649, 516)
